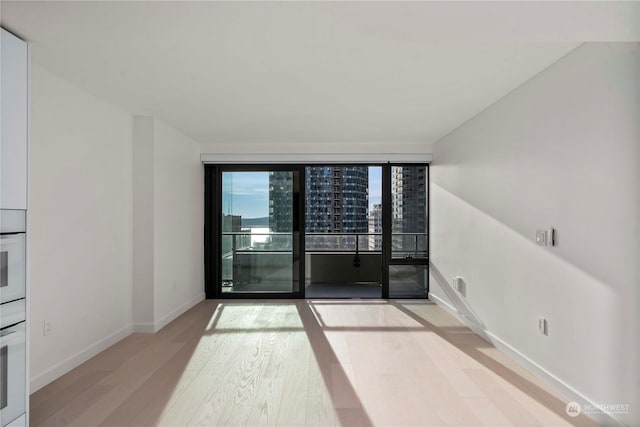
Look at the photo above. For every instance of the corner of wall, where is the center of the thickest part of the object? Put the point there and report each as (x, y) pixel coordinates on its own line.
(168, 204)
(143, 238)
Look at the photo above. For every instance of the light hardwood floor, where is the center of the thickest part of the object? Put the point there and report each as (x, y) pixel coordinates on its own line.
(302, 363)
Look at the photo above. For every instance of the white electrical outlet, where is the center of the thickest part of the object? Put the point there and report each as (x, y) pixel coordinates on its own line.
(46, 327)
(457, 283)
(541, 237)
(543, 326)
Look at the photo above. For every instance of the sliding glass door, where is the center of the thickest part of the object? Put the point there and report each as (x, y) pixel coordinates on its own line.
(257, 220)
(320, 231)
(407, 229)
(343, 240)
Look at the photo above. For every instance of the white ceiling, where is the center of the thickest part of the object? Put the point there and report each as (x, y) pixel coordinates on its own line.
(306, 72)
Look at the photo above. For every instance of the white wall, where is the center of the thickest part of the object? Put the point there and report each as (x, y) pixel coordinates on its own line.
(178, 200)
(563, 150)
(81, 224)
(143, 250)
(90, 184)
(169, 219)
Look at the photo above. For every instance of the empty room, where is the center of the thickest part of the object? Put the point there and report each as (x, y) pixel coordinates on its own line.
(320, 213)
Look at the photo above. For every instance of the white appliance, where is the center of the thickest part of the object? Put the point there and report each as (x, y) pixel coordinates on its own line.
(13, 362)
(14, 149)
(12, 255)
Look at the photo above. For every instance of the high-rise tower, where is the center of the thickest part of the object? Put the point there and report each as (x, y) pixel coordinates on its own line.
(336, 199)
(375, 227)
(280, 201)
(409, 204)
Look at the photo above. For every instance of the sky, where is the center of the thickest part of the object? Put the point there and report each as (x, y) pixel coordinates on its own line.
(247, 193)
(375, 185)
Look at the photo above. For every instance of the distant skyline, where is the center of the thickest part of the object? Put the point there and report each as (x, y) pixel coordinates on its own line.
(247, 193)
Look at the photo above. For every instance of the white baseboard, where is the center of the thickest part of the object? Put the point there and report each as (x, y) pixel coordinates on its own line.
(56, 371)
(40, 380)
(557, 384)
(455, 313)
(168, 318)
(144, 328)
(173, 314)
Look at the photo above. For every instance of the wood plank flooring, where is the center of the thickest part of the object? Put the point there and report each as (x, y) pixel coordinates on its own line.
(302, 363)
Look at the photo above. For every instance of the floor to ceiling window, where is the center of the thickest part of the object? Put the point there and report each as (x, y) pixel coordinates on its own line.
(317, 231)
(253, 243)
(343, 247)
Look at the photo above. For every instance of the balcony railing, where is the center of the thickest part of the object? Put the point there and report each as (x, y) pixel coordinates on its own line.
(409, 245)
(343, 242)
(248, 241)
(403, 245)
(267, 255)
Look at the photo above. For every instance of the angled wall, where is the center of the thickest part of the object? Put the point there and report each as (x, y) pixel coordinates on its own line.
(562, 151)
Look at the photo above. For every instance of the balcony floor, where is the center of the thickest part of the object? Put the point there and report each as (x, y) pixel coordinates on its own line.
(343, 290)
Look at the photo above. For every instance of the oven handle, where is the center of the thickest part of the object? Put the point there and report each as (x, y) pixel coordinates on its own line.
(10, 239)
(6, 339)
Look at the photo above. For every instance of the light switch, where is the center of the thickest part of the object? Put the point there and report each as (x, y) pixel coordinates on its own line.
(551, 237)
(541, 237)
(543, 326)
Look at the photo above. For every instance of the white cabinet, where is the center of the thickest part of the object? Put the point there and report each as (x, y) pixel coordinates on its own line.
(14, 138)
(14, 106)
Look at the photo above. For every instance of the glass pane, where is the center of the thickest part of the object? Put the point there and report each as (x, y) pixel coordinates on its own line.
(407, 281)
(343, 231)
(257, 232)
(409, 212)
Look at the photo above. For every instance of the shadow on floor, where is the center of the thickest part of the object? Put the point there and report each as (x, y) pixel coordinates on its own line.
(133, 382)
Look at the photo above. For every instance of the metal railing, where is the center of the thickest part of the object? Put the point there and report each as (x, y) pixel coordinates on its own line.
(407, 245)
(247, 241)
(343, 242)
(403, 245)
(243, 252)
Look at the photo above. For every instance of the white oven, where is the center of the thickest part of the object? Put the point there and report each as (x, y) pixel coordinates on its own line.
(12, 255)
(13, 341)
(13, 365)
